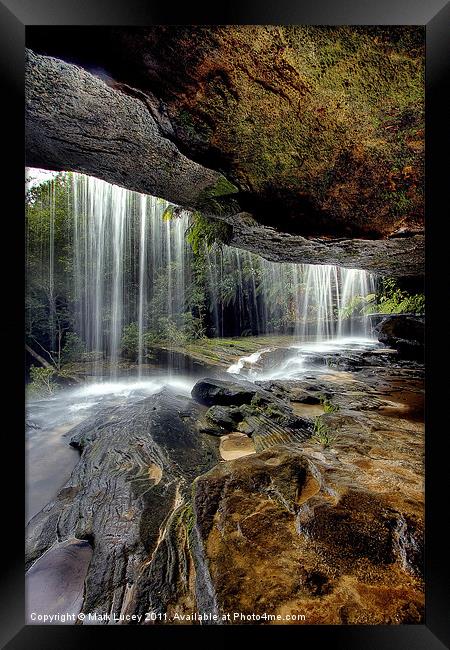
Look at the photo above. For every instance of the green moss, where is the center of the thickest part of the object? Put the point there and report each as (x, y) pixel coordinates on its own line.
(206, 232)
(223, 187)
(185, 119)
(194, 128)
(168, 213)
(358, 96)
(188, 519)
(215, 199)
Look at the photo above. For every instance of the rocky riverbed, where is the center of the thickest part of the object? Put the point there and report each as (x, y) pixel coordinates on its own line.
(275, 496)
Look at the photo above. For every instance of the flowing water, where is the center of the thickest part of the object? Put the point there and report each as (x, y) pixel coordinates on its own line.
(302, 358)
(130, 266)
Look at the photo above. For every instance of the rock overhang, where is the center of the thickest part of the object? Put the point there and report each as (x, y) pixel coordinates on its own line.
(172, 124)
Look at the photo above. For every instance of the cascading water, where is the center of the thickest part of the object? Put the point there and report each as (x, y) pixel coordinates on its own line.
(142, 279)
(135, 279)
(51, 265)
(123, 252)
(99, 223)
(305, 300)
(355, 285)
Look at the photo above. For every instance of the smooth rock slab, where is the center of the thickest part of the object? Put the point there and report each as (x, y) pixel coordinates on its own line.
(236, 445)
(277, 537)
(55, 583)
(134, 474)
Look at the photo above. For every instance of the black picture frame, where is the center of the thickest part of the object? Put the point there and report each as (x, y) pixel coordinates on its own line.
(434, 15)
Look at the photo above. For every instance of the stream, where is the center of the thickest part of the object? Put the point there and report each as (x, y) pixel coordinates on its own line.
(50, 458)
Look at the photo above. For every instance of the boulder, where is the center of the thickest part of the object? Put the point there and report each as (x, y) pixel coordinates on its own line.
(405, 333)
(225, 416)
(337, 558)
(228, 393)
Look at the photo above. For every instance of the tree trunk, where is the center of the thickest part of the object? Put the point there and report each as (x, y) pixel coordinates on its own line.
(38, 357)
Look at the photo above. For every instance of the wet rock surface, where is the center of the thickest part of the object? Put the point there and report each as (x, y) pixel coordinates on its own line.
(405, 333)
(220, 419)
(348, 515)
(136, 467)
(285, 517)
(250, 409)
(226, 392)
(54, 585)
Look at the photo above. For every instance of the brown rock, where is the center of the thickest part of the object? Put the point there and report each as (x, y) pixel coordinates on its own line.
(317, 131)
(332, 532)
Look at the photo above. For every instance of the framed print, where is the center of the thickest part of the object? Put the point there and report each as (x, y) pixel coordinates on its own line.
(217, 294)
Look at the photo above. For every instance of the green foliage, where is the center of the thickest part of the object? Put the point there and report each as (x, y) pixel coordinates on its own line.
(389, 299)
(48, 302)
(168, 213)
(359, 306)
(177, 331)
(172, 212)
(42, 380)
(73, 349)
(328, 407)
(322, 435)
(130, 342)
(180, 331)
(206, 232)
(393, 300)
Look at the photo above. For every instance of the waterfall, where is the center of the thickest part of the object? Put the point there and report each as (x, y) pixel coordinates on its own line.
(284, 298)
(129, 267)
(51, 266)
(320, 302)
(118, 211)
(99, 236)
(136, 280)
(355, 283)
(142, 279)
